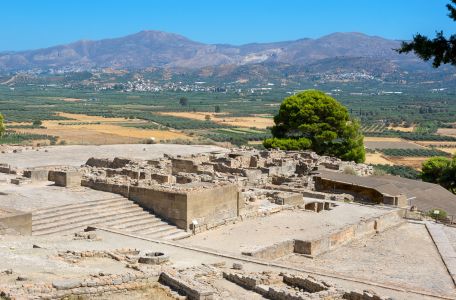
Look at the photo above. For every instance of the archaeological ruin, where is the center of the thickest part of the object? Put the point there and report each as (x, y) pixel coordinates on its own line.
(196, 222)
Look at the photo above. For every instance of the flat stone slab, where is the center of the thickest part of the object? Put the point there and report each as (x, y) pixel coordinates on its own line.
(66, 284)
(444, 247)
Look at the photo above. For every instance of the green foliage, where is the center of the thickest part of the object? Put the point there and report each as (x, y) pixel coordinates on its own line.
(217, 108)
(37, 123)
(413, 152)
(183, 101)
(236, 137)
(427, 127)
(314, 120)
(2, 125)
(437, 214)
(402, 171)
(440, 170)
(287, 143)
(440, 49)
(19, 138)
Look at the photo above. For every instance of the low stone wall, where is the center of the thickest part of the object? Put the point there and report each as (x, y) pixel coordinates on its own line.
(360, 193)
(15, 222)
(284, 286)
(193, 290)
(100, 285)
(274, 251)
(349, 233)
(306, 283)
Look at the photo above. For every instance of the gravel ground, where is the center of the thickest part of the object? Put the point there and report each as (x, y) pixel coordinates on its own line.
(76, 155)
(405, 255)
(42, 264)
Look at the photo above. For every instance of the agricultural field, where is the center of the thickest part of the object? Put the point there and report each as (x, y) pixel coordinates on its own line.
(376, 143)
(395, 152)
(261, 122)
(447, 131)
(377, 158)
(412, 120)
(83, 129)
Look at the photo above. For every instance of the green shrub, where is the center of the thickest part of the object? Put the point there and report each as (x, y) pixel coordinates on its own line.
(437, 214)
(287, 144)
(402, 171)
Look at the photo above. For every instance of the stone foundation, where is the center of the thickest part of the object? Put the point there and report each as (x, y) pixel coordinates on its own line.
(330, 241)
(192, 289)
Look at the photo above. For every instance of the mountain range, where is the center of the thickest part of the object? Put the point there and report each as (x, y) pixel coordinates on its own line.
(158, 49)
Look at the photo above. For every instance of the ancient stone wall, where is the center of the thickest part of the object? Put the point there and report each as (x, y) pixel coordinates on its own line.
(14, 221)
(66, 178)
(364, 194)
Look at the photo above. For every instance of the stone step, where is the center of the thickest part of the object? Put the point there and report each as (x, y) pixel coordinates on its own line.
(88, 218)
(148, 220)
(178, 235)
(160, 232)
(81, 212)
(127, 218)
(76, 205)
(92, 206)
(151, 228)
(117, 213)
(166, 234)
(60, 230)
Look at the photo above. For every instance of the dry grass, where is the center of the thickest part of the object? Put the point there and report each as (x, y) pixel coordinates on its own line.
(447, 131)
(403, 129)
(71, 99)
(377, 159)
(220, 118)
(382, 139)
(414, 162)
(436, 144)
(452, 151)
(100, 131)
(66, 99)
(201, 116)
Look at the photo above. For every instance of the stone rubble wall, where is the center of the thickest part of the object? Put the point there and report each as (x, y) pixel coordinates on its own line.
(93, 286)
(285, 286)
(192, 289)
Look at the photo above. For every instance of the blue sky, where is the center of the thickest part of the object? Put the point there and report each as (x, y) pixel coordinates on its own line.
(42, 23)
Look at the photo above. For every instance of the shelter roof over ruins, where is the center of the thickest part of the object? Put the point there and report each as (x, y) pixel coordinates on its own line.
(425, 195)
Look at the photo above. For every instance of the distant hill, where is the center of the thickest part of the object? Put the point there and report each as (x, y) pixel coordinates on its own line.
(148, 49)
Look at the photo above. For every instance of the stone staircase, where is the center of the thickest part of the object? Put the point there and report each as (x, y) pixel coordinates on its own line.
(117, 213)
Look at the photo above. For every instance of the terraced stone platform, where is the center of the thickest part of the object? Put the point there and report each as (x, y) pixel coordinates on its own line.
(117, 213)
